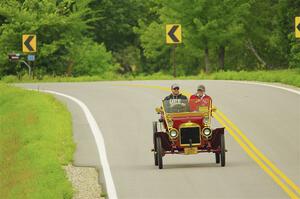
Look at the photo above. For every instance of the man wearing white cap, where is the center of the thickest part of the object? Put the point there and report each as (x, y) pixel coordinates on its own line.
(176, 102)
(175, 93)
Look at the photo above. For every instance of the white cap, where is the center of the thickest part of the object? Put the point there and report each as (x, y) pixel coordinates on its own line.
(174, 86)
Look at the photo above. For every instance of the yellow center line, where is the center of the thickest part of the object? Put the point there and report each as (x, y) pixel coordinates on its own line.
(253, 154)
(256, 159)
(262, 156)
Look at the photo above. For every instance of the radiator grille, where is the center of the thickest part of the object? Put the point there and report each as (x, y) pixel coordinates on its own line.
(190, 134)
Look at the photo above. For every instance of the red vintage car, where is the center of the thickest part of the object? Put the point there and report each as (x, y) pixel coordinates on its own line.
(185, 128)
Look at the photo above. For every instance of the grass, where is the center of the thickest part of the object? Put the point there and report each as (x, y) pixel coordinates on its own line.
(35, 141)
(288, 76)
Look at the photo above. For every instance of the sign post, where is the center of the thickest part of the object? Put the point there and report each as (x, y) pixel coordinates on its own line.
(29, 46)
(173, 36)
(28, 66)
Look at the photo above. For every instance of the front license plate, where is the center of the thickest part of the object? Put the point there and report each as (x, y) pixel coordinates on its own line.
(189, 151)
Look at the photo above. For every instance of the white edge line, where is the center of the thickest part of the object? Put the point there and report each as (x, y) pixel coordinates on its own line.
(269, 85)
(111, 190)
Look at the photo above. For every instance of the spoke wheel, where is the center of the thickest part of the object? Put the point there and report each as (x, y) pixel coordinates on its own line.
(222, 150)
(154, 143)
(159, 152)
(217, 158)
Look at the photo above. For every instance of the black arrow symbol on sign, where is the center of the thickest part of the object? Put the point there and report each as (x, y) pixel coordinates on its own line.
(171, 33)
(298, 27)
(27, 43)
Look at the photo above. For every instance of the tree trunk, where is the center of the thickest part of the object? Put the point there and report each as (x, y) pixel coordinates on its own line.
(70, 68)
(221, 57)
(206, 59)
(250, 46)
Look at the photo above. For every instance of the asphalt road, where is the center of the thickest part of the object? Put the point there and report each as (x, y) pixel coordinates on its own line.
(269, 117)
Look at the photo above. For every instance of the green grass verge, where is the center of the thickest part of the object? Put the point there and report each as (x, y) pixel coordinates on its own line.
(289, 76)
(35, 141)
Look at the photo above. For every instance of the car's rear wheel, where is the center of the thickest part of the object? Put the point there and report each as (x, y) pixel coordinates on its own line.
(158, 152)
(154, 142)
(217, 158)
(222, 150)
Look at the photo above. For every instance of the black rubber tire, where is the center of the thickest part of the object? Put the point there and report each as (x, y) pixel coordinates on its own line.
(159, 152)
(154, 142)
(217, 158)
(222, 150)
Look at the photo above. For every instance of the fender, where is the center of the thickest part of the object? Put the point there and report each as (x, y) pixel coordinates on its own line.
(216, 137)
(166, 143)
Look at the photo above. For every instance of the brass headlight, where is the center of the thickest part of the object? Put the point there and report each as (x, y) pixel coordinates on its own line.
(173, 133)
(207, 132)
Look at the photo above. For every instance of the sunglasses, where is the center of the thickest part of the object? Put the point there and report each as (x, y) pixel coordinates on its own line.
(176, 88)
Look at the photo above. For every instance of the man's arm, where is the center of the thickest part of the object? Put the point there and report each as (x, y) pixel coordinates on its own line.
(167, 98)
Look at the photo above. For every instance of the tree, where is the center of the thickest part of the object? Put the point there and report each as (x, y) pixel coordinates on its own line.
(206, 25)
(60, 27)
(91, 58)
(115, 27)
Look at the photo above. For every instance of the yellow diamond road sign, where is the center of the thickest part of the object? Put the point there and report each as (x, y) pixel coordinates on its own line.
(29, 43)
(173, 34)
(297, 27)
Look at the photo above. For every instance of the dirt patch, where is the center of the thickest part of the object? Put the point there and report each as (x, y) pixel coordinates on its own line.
(85, 182)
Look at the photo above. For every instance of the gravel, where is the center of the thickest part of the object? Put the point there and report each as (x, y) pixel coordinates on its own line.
(84, 181)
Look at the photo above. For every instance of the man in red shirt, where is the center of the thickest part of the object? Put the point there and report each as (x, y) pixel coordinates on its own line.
(200, 99)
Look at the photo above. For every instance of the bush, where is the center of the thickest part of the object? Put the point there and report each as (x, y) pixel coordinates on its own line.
(91, 58)
(9, 79)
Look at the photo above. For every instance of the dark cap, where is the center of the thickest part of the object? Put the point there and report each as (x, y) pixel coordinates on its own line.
(201, 87)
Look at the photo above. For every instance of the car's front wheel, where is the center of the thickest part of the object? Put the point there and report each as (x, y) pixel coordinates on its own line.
(158, 152)
(222, 150)
(154, 142)
(217, 158)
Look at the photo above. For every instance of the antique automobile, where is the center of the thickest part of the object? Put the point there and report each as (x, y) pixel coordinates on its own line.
(185, 128)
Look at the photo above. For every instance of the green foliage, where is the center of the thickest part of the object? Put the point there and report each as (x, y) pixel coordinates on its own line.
(9, 79)
(217, 35)
(90, 58)
(235, 35)
(60, 27)
(34, 144)
(295, 55)
(130, 59)
(116, 20)
(155, 49)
